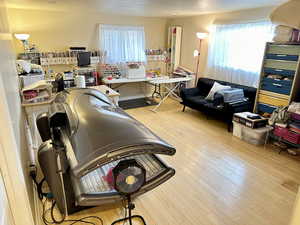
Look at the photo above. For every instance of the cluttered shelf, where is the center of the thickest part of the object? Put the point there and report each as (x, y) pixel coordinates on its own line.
(280, 139)
(286, 122)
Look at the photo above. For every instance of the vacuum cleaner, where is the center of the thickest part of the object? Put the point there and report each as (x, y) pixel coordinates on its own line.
(85, 136)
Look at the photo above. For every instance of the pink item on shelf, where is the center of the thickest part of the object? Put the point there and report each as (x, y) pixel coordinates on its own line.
(295, 36)
(292, 137)
(280, 131)
(109, 178)
(30, 94)
(295, 116)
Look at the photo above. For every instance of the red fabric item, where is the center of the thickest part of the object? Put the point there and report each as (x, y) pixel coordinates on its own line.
(109, 178)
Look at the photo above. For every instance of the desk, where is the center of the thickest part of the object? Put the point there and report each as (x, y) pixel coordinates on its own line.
(112, 94)
(170, 90)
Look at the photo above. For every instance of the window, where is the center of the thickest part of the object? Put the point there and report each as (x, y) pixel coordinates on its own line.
(122, 43)
(236, 51)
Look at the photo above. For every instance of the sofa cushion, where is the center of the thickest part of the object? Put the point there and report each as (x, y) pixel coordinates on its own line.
(204, 85)
(197, 100)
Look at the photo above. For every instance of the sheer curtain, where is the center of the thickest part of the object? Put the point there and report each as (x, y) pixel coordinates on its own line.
(236, 52)
(122, 43)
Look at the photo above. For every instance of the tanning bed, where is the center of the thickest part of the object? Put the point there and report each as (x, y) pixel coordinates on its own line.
(85, 136)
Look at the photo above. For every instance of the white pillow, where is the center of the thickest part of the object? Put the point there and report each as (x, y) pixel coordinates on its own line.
(215, 88)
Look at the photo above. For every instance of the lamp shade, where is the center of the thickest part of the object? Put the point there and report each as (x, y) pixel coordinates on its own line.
(201, 35)
(22, 37)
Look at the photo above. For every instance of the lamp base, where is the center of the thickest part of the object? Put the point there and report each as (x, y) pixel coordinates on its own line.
(130, 219)
(130, 207)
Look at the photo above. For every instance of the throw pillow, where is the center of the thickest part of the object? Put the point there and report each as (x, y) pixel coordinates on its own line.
(215, 88)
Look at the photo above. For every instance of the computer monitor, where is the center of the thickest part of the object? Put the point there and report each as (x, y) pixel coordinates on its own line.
(84, 58)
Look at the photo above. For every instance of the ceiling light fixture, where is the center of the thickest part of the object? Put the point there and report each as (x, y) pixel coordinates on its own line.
(22, 37)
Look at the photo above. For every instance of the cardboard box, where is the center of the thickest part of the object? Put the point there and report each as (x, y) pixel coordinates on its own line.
(242, 118)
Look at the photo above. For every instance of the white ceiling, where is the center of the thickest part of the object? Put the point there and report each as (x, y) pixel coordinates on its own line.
(157, 8)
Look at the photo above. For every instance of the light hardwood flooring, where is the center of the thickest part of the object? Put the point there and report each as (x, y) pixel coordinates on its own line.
(219, 178)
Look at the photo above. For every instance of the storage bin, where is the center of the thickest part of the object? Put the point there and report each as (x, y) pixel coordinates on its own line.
(280, 131)
(287, 83)
(289, 73)
(280, 64)
(253, 136)
(265, 108)
(282, 57)
(284, 49)
(274, 101)
(292, 137)
(237, 129)
(295, 116)
(278, 86)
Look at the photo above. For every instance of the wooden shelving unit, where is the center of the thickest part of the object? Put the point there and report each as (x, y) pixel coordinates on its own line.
(280, 79)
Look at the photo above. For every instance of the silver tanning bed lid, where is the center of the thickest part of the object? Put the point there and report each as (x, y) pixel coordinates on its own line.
(100, 132)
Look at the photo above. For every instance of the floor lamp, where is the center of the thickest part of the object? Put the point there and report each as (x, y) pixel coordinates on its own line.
(200, 36)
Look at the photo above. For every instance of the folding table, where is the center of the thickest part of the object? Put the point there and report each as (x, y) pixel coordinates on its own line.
(168, 85)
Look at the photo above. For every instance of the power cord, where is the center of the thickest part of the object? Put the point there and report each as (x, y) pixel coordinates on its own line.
(63, 220)
(48, 197)
(125, 208)
(33, 175)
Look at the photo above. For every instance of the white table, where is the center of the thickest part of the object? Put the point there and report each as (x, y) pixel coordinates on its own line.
(170, 89)
(116, 83)
(127, 80)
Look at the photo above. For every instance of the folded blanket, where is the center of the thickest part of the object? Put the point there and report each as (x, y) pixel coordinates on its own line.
(232, 94)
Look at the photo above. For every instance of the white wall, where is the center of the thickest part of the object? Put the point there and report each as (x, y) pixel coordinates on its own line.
(57, 31)
(12, 141)
(53, 30)
(193, 24)
(13, 152)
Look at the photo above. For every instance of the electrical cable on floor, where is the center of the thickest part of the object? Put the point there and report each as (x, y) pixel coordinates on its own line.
(48, 196)
(63, 220)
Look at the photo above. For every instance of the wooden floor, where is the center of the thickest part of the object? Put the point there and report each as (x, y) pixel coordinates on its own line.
(219, 178)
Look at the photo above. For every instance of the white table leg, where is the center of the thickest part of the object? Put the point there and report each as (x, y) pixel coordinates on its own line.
(165, 98)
